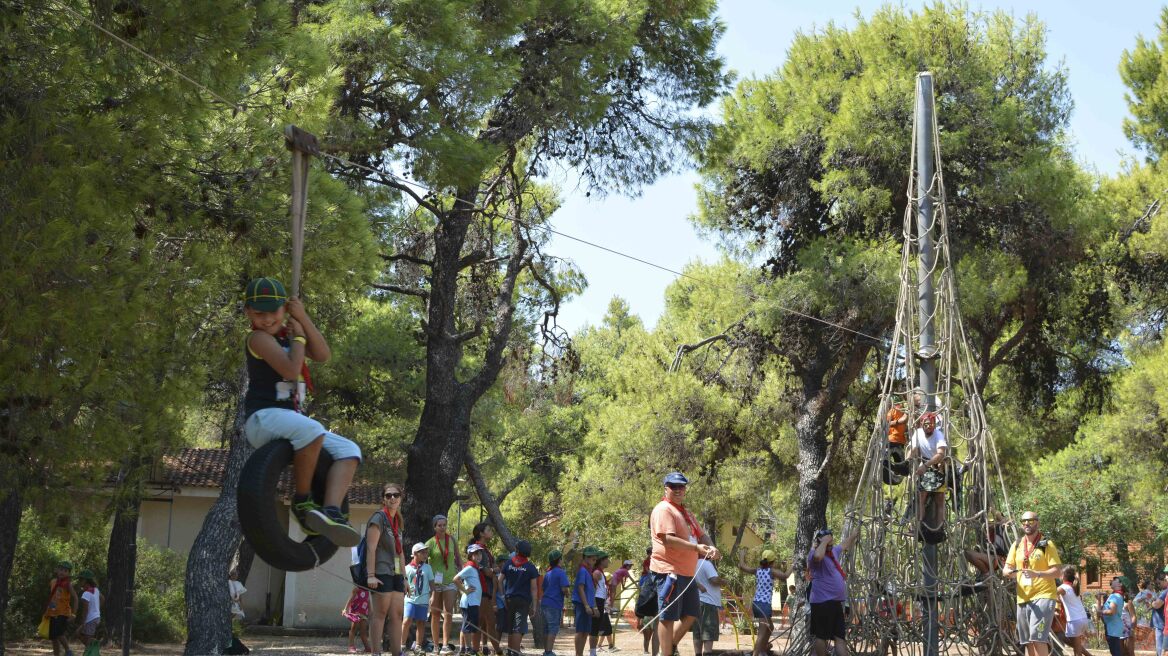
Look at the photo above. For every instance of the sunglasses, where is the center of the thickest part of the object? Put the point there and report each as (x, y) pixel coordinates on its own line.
(393, 495)
(1030, 521)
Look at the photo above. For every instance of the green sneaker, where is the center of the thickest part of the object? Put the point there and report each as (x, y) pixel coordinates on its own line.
(300, 510)
(332, 523)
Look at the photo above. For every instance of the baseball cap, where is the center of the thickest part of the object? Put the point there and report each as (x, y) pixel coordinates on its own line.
(601, 555)
(591, 551)
(627, 563)
(418, 547)
(265, 294)
(676, 478)
(473, 547)
(64, 564)
(523, 548)
(822, 532)
(555, 554)
(767, 556)
(87, 575)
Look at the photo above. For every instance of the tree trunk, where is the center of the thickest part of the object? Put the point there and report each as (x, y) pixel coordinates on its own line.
(207, 597)
(811, 436)
(11, 508)
(488, 501)
(122, 559)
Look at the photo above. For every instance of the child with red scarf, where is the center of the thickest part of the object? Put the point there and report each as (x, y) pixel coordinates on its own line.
(419, 578)
(519, 586)
(276, 351)
(59, 609)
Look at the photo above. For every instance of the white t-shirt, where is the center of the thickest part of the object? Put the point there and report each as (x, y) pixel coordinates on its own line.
(236, 588)
(92, 605)
(928, 445)
(1072, 603)
(711, 594)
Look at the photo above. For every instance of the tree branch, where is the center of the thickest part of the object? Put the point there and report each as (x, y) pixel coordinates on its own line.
(689, 348)
(408, 291)
(403, 257)
(488, 501)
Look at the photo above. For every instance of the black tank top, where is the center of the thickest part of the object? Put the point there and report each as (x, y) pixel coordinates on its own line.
(266, 388)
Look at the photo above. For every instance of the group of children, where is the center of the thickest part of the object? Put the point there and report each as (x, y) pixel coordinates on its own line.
(514, 589)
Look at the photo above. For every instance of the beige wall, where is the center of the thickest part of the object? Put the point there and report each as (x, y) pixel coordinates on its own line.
(172, 519)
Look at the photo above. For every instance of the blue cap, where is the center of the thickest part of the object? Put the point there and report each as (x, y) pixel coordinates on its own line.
(676, 478)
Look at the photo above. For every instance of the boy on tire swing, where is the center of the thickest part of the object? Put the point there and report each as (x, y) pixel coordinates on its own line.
(281, 337)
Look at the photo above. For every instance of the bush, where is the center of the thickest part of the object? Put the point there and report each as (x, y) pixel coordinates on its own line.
(159, 612)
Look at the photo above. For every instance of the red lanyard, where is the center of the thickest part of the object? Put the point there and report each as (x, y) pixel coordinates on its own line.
(395, 528)
(445, 552)
(693, 525)
(1026, 555)
(831, 556)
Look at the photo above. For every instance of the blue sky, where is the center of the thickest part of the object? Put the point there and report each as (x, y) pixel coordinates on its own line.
(1087, 37)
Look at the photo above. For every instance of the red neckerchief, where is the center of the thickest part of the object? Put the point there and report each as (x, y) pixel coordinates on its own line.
(518, 560)
(395, 528)
(445, 553)
(61, 582)
(1026, 555)
(693, 525)
(482, 577)
(831, 555)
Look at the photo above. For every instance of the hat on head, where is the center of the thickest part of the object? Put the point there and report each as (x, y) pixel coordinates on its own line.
(601, 554)
(591, 551)
(555, 554)
(473, 547)
(418, 547)
(64, 564)
(265, 294)
(676, 478)
(627, 563)
(523, 548)
(822, 532)
(767, 556)
(87, 575)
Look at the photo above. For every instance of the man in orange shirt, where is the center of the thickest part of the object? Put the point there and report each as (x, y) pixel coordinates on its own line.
(678, 542)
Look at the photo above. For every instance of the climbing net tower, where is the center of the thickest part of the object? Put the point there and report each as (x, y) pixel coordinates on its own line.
(913, 579)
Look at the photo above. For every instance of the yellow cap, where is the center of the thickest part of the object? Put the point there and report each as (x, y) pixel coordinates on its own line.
(767, 556)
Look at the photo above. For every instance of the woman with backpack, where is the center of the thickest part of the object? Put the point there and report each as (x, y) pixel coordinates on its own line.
(385, 564)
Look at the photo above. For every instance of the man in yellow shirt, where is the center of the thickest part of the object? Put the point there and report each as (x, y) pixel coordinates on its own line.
(1034, 562)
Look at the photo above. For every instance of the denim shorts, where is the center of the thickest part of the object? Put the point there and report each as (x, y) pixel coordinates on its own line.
(552, 618)
(268, 424)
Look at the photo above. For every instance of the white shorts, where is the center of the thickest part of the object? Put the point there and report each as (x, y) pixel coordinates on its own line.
(1076, 628)
(269, 424)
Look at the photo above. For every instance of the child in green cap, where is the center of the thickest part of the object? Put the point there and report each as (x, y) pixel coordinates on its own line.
(282, 337)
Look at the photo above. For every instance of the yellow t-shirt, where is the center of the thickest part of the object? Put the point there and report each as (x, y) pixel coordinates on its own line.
(60, 602)
(1040, 558)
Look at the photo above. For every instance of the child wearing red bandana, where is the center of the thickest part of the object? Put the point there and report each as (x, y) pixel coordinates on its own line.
(519, 586)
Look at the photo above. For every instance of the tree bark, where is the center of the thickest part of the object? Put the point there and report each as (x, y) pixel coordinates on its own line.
(207, 597)
(11, 508)
(488, 501)
(122, 559)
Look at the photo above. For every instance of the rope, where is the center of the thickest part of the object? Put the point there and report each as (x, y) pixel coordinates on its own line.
(390, 179)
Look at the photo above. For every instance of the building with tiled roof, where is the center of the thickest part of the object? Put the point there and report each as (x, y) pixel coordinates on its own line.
(185, 484)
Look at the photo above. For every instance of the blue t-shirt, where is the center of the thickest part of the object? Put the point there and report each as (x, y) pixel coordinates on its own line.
(418, 580)
(1114, 622)
(470, 578)
(584, 578)
(554, 583)
(1158, 613)
(517, 579)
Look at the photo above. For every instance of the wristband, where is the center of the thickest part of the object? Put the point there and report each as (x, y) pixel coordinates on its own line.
(301, 339)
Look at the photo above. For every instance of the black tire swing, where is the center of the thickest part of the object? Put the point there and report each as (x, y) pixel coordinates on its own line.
(258, 498)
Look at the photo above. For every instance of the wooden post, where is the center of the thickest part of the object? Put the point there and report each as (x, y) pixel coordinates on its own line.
(303, 145)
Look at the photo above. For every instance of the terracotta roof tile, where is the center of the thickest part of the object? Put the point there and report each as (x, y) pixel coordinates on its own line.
(195, 467)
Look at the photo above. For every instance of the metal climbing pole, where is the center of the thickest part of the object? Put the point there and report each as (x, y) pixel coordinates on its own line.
(927, 304)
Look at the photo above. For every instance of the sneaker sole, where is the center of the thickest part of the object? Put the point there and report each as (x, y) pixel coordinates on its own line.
(339, 534)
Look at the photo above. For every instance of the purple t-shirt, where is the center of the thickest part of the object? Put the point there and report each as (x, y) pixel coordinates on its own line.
(827, 584)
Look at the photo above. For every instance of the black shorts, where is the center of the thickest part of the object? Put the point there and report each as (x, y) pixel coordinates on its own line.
(58, 626)
(827, 620)
(515, 612)
(391, 583)
(601, 626)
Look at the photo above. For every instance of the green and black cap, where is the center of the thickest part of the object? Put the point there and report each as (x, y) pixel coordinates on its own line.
(265, 294)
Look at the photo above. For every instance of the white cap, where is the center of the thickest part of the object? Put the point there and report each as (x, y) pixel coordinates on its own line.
(418, 547)
(473, 547)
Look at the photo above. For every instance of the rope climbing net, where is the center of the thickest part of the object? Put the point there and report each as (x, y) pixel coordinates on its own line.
(914, 576)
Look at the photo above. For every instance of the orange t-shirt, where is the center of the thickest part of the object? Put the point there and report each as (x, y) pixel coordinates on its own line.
(664, 520)
(60, 603)
(897, 433)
